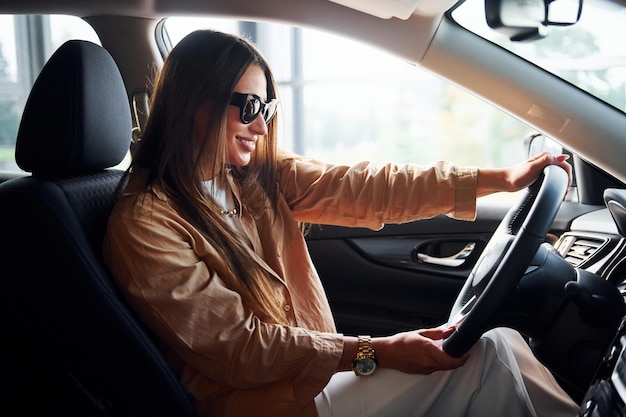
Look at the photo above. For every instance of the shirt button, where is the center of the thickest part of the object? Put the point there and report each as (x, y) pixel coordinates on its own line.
(287, 307)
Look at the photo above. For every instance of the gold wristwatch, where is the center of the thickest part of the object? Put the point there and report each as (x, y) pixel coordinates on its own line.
(364, 362)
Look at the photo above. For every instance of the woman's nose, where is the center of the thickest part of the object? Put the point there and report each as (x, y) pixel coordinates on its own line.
(258, 125)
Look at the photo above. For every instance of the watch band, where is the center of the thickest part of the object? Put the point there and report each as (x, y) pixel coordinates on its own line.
(365, 350)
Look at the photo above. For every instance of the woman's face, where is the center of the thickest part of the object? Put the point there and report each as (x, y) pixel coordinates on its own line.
(242, 138)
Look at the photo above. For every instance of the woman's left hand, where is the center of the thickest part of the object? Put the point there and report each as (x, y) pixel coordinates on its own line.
(516, 177)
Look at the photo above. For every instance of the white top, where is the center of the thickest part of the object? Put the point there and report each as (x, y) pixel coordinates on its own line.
(225, 199)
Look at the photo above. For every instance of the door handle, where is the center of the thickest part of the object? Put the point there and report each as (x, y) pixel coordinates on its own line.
(452, 261)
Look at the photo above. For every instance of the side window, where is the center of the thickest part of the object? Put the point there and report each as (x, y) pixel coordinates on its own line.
(344, 102)
(26, 43)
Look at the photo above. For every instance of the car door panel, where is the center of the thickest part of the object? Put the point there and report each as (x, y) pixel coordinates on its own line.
(403, 276)
(406, 276)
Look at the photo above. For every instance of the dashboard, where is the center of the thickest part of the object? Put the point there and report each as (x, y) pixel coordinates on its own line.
(595, 243)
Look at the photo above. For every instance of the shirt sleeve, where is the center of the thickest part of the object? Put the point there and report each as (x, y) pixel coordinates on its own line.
(182, 290)
(366, 195)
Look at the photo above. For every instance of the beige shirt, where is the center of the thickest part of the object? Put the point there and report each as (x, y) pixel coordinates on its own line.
(231, 362)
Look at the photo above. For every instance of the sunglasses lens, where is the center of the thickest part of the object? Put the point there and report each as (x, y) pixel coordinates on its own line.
(250, 105)
(251, 109)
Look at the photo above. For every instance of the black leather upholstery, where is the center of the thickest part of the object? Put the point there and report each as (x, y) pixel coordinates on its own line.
(70, 345)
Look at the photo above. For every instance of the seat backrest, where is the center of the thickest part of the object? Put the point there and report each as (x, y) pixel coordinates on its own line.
(70, 343)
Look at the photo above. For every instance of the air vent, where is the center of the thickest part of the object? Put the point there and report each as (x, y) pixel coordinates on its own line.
(577, 249)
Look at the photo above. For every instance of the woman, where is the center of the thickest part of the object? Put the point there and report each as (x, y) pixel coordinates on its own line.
(205, 243)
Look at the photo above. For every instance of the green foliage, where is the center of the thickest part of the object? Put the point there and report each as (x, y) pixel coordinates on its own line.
(8, 110)
(8, 123)
(580, 47)
(4, 72)
(8, 113)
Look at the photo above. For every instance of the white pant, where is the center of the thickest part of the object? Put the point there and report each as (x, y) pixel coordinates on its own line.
(501, 378)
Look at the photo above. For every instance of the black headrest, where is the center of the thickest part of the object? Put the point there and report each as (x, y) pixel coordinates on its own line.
(77, 118)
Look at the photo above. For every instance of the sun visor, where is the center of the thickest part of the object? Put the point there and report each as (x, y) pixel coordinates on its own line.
(402, 9)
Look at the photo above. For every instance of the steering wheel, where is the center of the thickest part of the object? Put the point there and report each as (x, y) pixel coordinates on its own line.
(504, 260)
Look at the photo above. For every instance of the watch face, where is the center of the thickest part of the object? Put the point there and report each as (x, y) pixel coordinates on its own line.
(365, 366)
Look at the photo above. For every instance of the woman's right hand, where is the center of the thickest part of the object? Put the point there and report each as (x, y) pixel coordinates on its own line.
(416, 352)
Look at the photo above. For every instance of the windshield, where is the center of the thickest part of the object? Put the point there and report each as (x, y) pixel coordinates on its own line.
(589, 54)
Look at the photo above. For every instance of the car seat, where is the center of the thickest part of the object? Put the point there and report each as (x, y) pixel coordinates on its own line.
(70, 345)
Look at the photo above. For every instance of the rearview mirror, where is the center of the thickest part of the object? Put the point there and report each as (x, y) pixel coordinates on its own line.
(525, 20)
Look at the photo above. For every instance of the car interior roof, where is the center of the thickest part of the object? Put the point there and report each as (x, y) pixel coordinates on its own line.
(407, 38)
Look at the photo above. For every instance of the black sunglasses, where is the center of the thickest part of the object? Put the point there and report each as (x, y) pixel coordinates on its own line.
(251, 105)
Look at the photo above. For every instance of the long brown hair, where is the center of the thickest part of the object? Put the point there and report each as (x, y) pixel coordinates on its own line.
(205, 67)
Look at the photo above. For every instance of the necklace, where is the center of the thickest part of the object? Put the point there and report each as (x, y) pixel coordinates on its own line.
(230, 213)
(223, 198)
